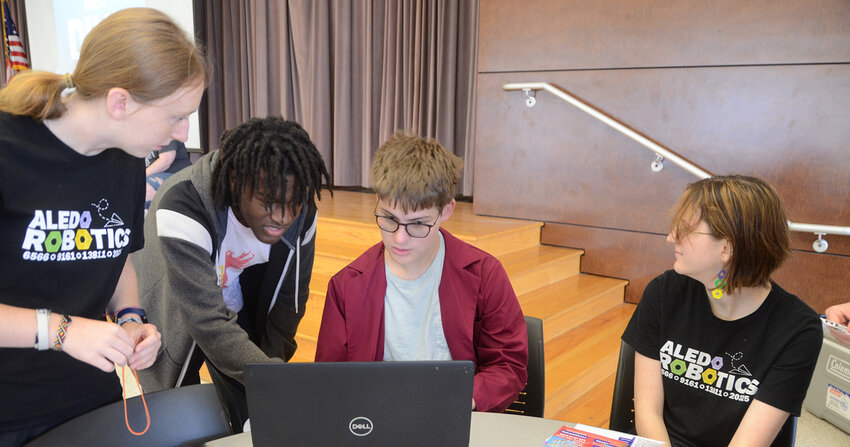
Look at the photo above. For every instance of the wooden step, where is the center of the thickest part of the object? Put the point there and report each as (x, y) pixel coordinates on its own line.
(331, 257)
(306, 351)
(348, 206)
(495, 235)
(328, 266)
(319, 282)
(348, 231)
(502, 242)
(571, 302)
(594, 407)
(346, 251)
(582, 358)
(536, 267)
(309, 325)
(315, 304)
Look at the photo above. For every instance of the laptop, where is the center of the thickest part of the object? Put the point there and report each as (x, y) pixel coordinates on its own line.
(414, 404)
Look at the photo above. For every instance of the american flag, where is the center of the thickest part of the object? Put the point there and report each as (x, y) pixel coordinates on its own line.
(16, 57)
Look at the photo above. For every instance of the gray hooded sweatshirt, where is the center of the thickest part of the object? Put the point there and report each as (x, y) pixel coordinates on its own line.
(179, 291)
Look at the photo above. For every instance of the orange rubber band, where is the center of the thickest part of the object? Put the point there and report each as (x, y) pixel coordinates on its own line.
(144, 402)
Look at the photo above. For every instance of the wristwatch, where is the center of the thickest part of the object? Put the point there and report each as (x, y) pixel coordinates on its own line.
(131, 310)
(128, 319)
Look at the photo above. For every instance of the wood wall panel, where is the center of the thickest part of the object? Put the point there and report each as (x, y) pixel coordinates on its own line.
(820, 280)
(534, 35)
(552, 161)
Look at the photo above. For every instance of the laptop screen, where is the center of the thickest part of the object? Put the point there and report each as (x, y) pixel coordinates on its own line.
(416, 404)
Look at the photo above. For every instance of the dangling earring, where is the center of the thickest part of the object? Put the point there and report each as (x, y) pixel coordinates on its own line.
(719, 284)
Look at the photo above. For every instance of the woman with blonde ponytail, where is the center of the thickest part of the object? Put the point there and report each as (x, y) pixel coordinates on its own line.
(72, 184)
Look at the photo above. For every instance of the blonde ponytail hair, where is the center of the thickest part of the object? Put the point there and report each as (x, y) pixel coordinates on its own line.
(138, 49)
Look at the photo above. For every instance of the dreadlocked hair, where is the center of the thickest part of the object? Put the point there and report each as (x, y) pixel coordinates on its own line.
(261, 153)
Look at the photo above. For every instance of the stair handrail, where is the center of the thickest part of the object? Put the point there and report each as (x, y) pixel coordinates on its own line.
(661, 153)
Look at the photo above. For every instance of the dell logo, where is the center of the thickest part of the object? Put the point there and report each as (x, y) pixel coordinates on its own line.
(360, 426)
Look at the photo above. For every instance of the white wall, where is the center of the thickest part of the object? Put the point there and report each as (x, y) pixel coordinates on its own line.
(56, 29)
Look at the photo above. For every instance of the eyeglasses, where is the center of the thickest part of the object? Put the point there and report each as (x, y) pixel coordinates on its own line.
(677, 238)
(692, 232)
(701, 232)
(417, 230)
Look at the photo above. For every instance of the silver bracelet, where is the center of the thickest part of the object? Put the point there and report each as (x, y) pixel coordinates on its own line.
(128, 319)
(42, 338)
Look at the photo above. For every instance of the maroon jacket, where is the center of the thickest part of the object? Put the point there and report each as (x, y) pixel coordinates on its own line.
(482, 320)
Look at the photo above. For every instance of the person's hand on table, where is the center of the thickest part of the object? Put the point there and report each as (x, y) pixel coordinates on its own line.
(840, 313)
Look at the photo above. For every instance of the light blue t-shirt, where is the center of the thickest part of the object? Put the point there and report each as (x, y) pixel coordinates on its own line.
(413, 326)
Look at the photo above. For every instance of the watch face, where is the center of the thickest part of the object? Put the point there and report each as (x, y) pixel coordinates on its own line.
(134, 310)
(128, 319)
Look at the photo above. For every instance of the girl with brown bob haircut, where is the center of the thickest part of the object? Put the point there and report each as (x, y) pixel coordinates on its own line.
(723, 355)
(72, 186)
(746, 212)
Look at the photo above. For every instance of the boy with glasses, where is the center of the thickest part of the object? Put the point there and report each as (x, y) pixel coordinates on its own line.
(423, 294)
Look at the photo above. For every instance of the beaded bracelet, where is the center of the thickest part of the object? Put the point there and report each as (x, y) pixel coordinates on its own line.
(60, 334)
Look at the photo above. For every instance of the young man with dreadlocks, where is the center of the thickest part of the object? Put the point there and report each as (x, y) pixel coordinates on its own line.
(226, 268)
(423, 294)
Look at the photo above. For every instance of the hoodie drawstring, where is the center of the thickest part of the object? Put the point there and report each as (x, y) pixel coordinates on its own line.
(298, 242)
(283, 275)
(297, 269)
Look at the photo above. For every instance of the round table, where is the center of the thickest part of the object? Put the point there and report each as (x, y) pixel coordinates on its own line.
(486, 430)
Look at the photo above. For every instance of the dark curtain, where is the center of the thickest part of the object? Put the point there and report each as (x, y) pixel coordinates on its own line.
(352, 72)
(19, 16)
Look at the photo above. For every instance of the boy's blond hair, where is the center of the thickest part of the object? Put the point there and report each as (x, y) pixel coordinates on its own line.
(415, 172)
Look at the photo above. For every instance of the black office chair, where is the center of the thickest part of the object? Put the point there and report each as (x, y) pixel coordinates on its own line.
(531, 399)
(185, 416)
(623, 402)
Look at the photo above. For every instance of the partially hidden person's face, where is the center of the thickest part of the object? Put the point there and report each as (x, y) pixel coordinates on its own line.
(153, 125)
(412, 255)
(699, 254)
(260, 211)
